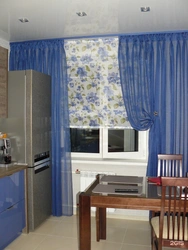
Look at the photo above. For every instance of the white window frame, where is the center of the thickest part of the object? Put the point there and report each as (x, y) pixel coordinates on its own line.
(91, 155)
(141, 154)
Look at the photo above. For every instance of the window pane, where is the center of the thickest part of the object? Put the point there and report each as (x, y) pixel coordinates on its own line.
(84, 140)
(120, 140)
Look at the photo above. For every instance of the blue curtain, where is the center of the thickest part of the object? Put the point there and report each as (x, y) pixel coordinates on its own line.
(48, 57)
(154, 77)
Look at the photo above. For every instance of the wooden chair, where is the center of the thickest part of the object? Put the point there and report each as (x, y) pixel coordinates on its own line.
(170, 228)
(170, 165)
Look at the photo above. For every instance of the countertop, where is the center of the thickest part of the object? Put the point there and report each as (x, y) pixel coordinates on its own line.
(12, 168)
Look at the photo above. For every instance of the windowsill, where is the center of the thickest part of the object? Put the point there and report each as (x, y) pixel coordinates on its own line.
(122, 167)
(107, 161)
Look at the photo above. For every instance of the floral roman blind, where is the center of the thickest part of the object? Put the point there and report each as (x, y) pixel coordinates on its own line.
(94, 89)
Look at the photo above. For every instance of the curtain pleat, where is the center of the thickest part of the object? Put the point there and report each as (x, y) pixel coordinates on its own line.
(48, 56)
(154, 77)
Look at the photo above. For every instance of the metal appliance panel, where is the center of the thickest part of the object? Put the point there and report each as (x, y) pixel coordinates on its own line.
(16, 115)
(15, 129)
(29, 128)
(40, 195)
(32, 104)
(38, 114)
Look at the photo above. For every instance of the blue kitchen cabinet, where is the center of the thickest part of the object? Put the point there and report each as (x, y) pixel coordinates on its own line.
(12, 207)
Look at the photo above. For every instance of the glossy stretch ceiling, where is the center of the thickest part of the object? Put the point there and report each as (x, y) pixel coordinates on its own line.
(58, 19)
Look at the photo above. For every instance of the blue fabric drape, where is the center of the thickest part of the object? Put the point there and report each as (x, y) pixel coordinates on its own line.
(154, 74)
(48, 57)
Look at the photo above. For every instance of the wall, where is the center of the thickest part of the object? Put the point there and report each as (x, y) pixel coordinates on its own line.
(4, 44)
(4, 53)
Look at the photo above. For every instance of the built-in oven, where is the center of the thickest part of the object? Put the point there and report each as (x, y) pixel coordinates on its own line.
(40, 191)
(41, 162)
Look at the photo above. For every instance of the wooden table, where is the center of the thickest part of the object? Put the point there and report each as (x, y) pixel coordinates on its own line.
(149, 201)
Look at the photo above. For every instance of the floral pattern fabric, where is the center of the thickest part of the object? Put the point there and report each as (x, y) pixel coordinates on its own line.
(94, 89)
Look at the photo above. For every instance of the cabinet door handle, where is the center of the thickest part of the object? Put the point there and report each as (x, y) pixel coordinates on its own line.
(10, 207)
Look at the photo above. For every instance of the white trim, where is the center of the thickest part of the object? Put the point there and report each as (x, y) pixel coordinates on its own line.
(121, 167)
(4, 44)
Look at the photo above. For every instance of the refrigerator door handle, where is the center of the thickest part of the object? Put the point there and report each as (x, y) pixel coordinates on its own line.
(37, 163)
(41, 167)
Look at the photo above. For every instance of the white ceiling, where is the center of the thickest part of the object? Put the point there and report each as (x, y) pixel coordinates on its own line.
(58, 18)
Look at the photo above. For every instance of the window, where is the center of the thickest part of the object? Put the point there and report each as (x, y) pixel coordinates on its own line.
(108, 143)
(85, 140)
(98, 120)
(122, 140)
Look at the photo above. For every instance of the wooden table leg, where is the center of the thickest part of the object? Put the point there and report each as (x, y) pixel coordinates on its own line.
(84, 222)
(100, 223)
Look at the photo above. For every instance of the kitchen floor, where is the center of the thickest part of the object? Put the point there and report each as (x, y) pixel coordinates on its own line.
(61, 233)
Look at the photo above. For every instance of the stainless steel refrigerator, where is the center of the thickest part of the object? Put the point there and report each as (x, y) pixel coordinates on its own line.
(29, 128)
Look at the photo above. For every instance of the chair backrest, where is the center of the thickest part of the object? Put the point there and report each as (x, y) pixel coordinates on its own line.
(170, 165)
(173, 228)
